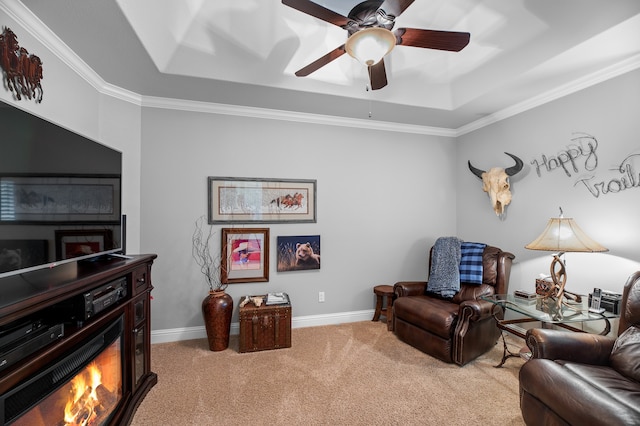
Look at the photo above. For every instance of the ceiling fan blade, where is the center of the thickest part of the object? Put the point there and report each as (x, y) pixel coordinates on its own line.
(315, 10)
(395, 7)
(377, 75)
(321, 62)
(432, 39)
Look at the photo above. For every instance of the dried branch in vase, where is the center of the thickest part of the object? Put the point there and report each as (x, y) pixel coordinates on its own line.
(210, 264)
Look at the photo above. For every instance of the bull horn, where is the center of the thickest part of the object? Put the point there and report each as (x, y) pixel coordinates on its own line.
(475, 171)
(514, 169)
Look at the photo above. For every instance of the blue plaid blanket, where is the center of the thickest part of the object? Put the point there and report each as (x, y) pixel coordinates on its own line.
(471, 262)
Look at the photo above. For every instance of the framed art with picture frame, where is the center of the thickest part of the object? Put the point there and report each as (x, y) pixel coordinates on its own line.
(245, 254)
(258, 200)
(299, 252)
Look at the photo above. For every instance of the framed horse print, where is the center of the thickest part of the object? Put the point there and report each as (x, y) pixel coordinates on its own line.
(259, 200)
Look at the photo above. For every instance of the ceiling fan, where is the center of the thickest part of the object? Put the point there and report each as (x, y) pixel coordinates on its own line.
(369, 26)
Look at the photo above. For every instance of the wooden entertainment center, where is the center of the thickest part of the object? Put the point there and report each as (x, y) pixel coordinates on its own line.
(65, 295)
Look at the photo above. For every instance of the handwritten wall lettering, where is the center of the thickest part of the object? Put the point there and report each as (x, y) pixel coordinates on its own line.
(581, 152)
(630, 179)
(580, 156)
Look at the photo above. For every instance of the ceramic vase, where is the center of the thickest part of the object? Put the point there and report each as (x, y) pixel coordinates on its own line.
(217, 309)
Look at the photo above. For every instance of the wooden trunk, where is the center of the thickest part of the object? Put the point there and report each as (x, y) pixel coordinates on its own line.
(265, 327)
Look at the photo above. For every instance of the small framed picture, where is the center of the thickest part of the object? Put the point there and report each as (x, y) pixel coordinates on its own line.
(245, 255)
(298, 253)
(75, 243)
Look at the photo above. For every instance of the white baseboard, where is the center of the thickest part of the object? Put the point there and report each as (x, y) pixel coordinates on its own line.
(190, 333)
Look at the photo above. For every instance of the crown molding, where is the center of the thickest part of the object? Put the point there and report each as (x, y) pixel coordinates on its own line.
(592, 79)
(272, 114)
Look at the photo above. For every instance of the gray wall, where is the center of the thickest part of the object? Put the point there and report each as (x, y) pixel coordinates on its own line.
(382, 199)
(609, 113)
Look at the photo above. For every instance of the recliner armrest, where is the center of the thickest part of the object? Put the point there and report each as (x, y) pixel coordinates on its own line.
(481, 309)
(584, 348)
(409, 288)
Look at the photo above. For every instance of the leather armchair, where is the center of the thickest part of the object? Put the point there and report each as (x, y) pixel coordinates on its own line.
(455, 330)
(583, 378)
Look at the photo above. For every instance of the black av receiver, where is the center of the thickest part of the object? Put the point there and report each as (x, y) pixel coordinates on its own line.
(103, 297)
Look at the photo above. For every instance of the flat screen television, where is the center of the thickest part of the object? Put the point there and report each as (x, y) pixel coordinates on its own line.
(60, 195)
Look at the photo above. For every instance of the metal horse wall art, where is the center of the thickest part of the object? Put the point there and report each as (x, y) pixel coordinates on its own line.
(495, 182)
(22, 71)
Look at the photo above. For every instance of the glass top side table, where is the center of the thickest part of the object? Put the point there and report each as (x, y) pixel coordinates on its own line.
(544, 311)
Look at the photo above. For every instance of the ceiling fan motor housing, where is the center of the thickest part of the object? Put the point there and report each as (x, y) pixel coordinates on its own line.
(368, 15)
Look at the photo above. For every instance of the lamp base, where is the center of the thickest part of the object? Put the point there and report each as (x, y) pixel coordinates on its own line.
(555, 291)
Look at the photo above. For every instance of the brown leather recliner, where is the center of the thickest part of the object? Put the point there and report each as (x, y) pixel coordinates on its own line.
(457, 330)
(583, 378)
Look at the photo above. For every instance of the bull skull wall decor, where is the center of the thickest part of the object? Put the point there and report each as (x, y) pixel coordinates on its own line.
(495, 183)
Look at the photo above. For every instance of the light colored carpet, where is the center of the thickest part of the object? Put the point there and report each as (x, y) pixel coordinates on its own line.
(348, 374)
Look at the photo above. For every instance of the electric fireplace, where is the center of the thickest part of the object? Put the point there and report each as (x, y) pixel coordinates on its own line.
(87, 360)
(84, 388)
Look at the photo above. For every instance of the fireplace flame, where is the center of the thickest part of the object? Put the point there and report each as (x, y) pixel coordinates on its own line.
(89, 398)
(80, 409)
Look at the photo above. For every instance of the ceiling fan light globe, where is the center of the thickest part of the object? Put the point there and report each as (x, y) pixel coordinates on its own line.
(370, 45)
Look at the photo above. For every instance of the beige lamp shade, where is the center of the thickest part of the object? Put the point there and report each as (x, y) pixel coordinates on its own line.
(564, 235)
(370, 45)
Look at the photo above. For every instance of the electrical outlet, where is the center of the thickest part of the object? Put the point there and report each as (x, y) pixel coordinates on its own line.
(321, 297)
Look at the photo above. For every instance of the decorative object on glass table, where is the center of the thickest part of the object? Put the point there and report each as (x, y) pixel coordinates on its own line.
(521, 294)
(525, 296)
(545, 286)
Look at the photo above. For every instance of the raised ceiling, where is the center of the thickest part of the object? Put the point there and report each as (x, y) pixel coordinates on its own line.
(245, 52)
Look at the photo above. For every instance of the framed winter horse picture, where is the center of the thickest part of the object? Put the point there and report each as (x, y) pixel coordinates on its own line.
(259, 200)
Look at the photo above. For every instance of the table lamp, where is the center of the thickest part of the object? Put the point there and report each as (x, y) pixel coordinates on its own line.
(562, 235)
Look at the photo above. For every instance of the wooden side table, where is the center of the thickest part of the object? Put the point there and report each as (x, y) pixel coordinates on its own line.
(384, 291)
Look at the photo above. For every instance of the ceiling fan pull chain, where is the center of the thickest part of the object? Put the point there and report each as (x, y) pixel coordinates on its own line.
(370, 103)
